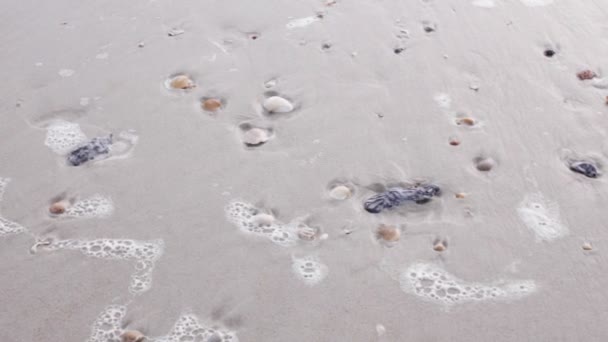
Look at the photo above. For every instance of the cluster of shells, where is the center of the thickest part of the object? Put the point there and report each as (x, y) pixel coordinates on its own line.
(252, 135)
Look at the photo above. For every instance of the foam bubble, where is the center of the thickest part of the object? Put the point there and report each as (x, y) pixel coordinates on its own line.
(96, 206)
(309, 269)
(3, 183)
(144, 253)
(188, 328)
(62, 136)
(252, 220)
(8, 227)
(484, 3)
(443, 100)
(536, 3)
(435, 284)
(107, 326)
(542, 217)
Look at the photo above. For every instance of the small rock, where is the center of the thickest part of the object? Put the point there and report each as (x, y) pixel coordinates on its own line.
(212, 105)
(587, 246)
(256, 136)
(549, 53)
(454, 142)
(141, 44)
(132, 336)
(96, 148)
(380, 330)
(585, 168)
(398, 50)
(340, 192)
(586, 75)
(388, 233)
(485, 164)
(474, 87)
(277, 104)
(460, 195)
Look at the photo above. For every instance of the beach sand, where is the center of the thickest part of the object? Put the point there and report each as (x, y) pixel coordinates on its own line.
(379, 89)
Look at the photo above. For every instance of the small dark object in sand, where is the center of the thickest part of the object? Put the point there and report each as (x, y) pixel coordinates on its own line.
(586, 75)
(89, 151)
(398, 50)
(394, 197)
(549, 53)
(586, 168)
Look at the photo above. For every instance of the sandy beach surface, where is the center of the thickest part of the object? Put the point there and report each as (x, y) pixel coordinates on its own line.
(251, 219)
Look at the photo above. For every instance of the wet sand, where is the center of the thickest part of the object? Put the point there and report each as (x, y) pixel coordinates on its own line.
(379, 89)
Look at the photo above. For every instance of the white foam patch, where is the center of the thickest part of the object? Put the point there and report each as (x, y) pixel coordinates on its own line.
(252, 220)
(144, 253)
(301, 22)
(107, 326)
(435, 284)
(66, 72)
(62, 136)
(536, 3)
(188, 328)
(123, 145)
(8, 227)
(542, 217)
(3, 183)
(96, 206)
(484, 3)
(443, 100)
(309, 269)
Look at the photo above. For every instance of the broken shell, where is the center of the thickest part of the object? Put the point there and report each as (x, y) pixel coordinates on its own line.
(277, 104)
(466, 121)
(439, 247)
(182, 82)
(58, 208)
(340, 192)
(132, 336)
(587, 246)
(256, 136)
(460, 195)
(212, 105)
(307, 233)
(388, 233)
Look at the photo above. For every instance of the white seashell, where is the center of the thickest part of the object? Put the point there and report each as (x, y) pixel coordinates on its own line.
(380, 329)
(263, 219)
(256, 136)
(277, 104)
(340, 192)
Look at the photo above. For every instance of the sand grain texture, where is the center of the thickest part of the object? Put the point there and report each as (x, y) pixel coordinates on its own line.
(376, 96)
